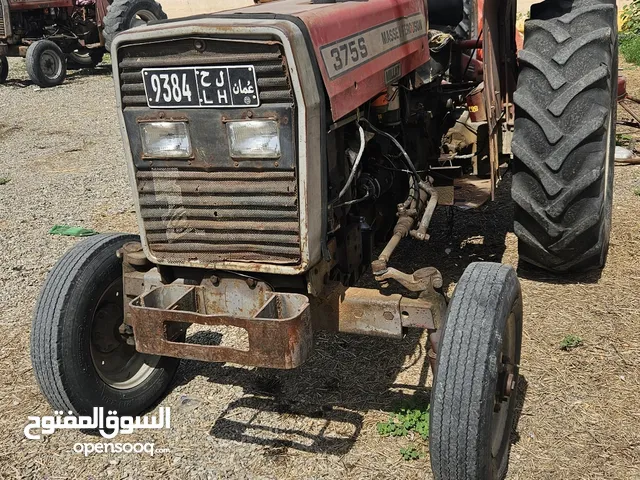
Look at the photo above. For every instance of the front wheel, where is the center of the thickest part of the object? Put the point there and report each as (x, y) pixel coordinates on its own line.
(79, 357)
(474, 392)
(46, 64)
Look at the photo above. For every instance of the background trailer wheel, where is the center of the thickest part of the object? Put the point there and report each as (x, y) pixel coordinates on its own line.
(564, 134)
(474, 391)
(80, 358)
(46, 63)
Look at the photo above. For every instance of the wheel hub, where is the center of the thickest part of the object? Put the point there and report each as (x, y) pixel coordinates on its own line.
(50, 64)
(105, 335)
(113, 352)
(505, 387)
(142, 17)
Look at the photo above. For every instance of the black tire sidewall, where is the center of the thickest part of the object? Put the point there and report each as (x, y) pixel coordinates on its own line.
(80, 380)
(34, 52)
(610, 166)
(91, 60)
(138, 5)
(4, 68)
(114, 22)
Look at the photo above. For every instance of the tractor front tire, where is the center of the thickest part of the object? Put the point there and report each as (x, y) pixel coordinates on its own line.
(79, 357)
(473, 397)
(125, 14)
(564, 136)
(46, 64)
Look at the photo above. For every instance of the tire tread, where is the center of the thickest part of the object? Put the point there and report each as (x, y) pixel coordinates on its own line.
(563, 203)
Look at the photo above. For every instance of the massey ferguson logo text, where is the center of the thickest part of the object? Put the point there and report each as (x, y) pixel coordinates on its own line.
(351, 52)
(402, 32)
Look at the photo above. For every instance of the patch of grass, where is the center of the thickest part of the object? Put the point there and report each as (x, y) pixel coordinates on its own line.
(622, 139)
(571, 341)
(4, 180)
(630, 48)
(404, 421)
(411, 453)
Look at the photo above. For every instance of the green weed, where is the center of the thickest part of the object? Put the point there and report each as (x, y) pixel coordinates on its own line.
(404, 421)
(411, 453)
(570, 341)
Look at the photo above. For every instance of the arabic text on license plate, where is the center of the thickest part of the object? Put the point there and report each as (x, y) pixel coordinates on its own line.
(201, 87)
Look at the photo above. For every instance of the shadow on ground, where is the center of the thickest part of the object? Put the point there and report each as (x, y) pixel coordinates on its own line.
(73, 75)
(348, 375)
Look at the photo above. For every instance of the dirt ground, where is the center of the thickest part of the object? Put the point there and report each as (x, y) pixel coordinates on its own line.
(579, 414)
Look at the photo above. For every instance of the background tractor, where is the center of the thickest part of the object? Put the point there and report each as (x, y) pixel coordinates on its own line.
(53, 35)
(279, 153)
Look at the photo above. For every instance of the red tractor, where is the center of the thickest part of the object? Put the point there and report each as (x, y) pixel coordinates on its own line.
(54, 34)
(278, 152)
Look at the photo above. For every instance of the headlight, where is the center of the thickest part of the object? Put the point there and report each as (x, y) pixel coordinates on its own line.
(254, 139)
(165, 140)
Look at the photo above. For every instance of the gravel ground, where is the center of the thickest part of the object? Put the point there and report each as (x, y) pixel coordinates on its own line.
(579, 414)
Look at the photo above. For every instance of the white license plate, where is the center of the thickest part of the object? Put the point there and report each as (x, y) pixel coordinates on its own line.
(201, 87)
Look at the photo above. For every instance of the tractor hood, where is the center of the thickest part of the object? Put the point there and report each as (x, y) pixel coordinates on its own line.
(359, 47)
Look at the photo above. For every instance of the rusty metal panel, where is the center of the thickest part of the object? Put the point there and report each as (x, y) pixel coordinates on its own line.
(369, 312)
(278, 325)
(220, 216)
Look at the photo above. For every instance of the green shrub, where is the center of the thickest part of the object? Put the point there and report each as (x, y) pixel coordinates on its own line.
(630, 48)
(630, 18)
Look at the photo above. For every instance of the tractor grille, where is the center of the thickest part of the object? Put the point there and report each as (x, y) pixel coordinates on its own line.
(3, 30)
(273, 81)
(216, 216)
(211, 210)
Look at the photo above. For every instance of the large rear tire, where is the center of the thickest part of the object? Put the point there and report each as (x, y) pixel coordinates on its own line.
(79, 358)
(125, 14)
(564, 135)
(474, 391)
(468, 26)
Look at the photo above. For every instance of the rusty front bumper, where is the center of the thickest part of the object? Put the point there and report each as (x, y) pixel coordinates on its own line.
(279, 332)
